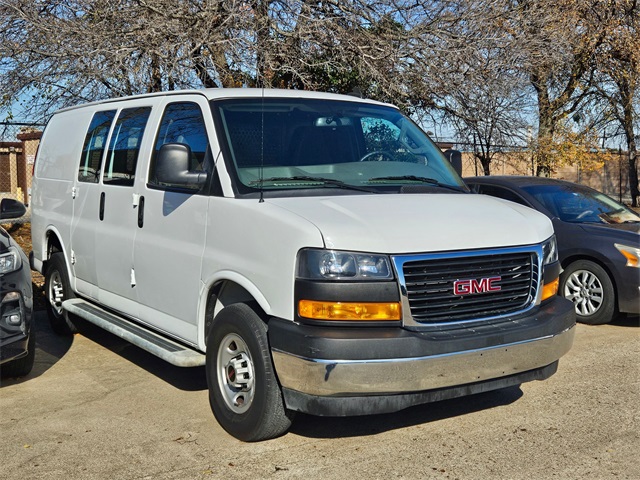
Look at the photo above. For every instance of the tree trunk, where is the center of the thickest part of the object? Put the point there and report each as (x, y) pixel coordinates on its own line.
(633, 172)
(155, 84)
(264, 76)
(626, 96)
(545, 127)
(485, 161)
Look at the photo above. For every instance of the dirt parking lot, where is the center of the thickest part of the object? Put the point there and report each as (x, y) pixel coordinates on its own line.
(96, 407)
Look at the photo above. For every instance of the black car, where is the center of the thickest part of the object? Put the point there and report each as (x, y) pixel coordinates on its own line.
(17, 335)
(598, 241)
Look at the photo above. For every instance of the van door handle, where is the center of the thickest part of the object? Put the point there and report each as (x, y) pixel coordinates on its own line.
(141, 212)
(102, 206)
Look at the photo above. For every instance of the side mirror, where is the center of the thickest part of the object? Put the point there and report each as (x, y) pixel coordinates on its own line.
(10, 208)
(455, 158)
(172, 167)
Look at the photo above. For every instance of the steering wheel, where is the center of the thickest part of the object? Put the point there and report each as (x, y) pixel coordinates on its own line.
(584, 214)
(379, 153)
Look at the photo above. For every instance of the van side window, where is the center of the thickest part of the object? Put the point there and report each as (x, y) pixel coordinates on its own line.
(182, 123)
(124, 147)
(94, 145)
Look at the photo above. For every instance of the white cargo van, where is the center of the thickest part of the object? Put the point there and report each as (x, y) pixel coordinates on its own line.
(316, 252)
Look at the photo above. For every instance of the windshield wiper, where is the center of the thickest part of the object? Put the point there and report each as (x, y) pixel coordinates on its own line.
(328, 182)
(415, 178)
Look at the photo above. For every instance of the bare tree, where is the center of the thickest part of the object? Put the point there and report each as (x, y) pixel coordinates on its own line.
(478, 61)
(618, 64)
(65, 52)
(489, 103)
(557, 56)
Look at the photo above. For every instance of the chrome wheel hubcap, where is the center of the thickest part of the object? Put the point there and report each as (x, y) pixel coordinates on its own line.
(56, 293)
(585, 290)
(235, 373)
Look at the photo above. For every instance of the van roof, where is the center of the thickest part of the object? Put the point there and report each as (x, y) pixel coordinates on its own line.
(224, 93)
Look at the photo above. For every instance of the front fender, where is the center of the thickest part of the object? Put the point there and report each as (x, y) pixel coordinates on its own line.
(233, 288)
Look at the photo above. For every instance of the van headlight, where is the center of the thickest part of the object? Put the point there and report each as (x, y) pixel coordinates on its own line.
(315, 264)
(550, 251)
(551, 268)
(10, 261)
(363, 295)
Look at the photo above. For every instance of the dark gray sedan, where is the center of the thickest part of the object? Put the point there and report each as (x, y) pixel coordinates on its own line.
(17, 335)
(598, 241)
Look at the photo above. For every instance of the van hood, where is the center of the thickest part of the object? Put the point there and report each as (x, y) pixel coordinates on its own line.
(415, 223)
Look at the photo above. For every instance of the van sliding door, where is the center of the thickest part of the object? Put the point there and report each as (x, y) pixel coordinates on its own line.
(86, 203)
(117, 215)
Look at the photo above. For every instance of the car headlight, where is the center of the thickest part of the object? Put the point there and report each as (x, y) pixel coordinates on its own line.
(550, 251)
(338, 265)
(632, 254)
(10, 261)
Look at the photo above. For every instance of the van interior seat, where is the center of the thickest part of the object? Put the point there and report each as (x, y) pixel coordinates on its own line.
(312, 145)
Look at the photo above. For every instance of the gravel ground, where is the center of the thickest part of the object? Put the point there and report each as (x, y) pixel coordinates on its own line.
(96, 407)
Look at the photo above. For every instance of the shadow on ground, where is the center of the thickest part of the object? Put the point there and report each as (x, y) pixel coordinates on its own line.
(627, 321)
(50, 348)
(187, 379)
(342, 427)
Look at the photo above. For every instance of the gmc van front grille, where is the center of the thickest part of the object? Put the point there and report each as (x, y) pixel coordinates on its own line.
(443, 288)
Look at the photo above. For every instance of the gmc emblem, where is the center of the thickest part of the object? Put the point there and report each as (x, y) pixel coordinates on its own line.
(484, 285)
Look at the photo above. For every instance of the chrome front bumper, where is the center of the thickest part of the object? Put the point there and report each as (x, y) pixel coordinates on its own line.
(321, 377)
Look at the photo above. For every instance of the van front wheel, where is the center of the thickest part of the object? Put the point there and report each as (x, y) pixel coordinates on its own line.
(58, 289)
(243, 389)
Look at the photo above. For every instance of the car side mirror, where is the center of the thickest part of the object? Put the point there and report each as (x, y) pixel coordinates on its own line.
(455, 158)
(10, 208)
(172, 167)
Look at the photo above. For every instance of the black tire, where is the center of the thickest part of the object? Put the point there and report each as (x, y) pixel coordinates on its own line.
(21, 366)
(589, 287)
(57, 289)
(243, 389)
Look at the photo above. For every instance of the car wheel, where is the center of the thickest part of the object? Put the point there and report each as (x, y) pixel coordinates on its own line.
(243, 389)
(21, 366)
(57, 289)
(590, 289)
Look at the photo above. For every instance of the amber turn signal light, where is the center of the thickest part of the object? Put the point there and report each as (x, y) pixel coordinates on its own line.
(349, 311)
(550, 289)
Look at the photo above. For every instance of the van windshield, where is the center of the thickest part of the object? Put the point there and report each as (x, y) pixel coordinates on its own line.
(292, 144)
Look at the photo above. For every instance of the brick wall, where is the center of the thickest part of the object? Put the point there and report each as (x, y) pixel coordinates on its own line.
(612, 178)
(16, 168)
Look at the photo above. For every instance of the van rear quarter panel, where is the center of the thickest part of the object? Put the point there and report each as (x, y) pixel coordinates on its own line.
(56, 167)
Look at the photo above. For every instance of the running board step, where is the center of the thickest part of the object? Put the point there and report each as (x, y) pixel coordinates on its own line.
(160, 346)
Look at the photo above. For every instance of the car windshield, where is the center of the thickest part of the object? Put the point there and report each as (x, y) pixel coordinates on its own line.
(293, 144)
(580, 205)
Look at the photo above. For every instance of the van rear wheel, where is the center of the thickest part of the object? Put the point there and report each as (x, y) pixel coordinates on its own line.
(58, 289)
(243, 389)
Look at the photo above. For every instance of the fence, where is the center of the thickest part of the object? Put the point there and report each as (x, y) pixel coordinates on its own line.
(17, 158)
(612, 177)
